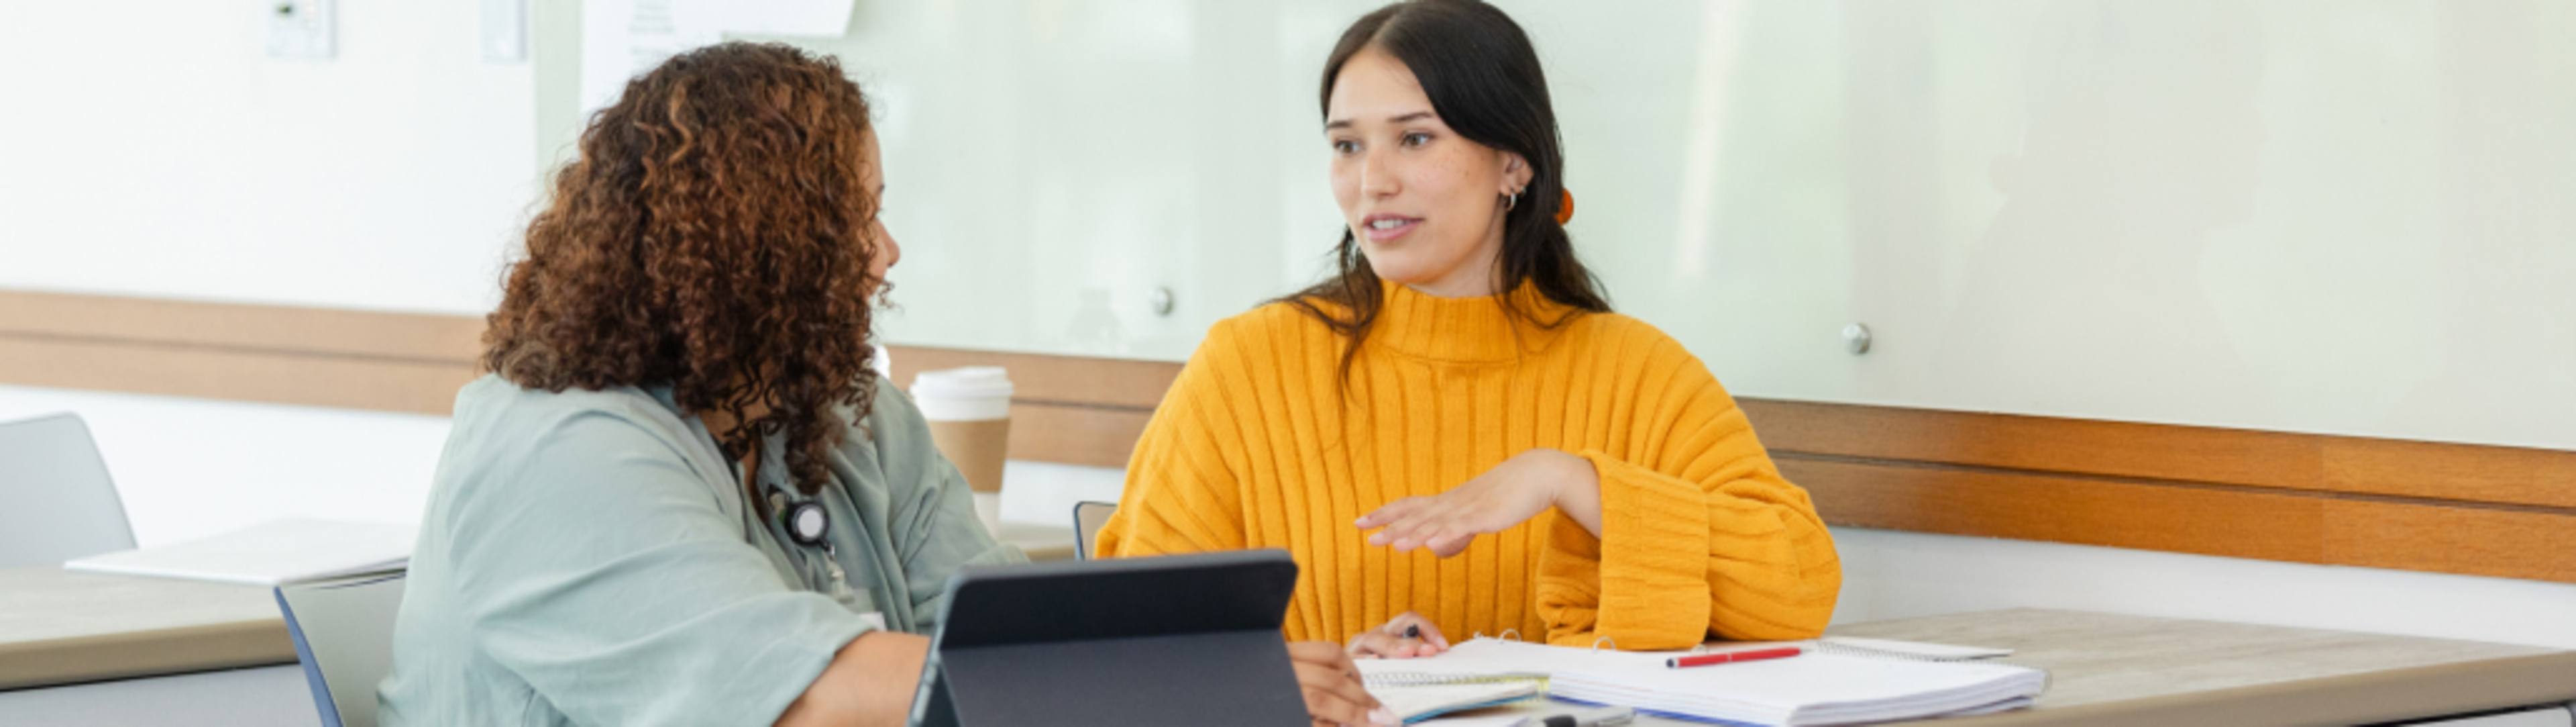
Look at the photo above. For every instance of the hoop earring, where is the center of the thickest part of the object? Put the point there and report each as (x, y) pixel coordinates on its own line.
(1511, 200)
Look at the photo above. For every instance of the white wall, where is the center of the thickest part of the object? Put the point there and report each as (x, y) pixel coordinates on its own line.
(2306, 215)
(188, 468)
(150, 147)
(2334, 216)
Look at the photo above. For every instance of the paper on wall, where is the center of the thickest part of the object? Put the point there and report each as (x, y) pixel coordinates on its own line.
(824, 18)
(621, 39)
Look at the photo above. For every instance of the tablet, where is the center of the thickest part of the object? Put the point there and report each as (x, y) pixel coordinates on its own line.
(1183, 639)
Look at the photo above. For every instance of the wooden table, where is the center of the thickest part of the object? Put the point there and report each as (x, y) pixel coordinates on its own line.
(2109, 670)
(92, 649)
(61, 627)
(65, 627)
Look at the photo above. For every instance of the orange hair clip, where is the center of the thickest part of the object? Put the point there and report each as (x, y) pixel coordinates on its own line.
(1564, 206)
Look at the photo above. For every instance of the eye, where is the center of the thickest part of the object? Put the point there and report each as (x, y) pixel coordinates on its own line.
(1417, 138)
(1345, 147)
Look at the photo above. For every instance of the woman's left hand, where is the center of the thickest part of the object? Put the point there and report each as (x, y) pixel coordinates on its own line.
(1509, 494)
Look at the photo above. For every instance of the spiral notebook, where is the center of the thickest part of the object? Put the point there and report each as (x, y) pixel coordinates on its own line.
(1837, 681)
(1416, 702)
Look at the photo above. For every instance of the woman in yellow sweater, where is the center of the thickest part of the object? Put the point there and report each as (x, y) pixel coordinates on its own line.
(1456, 426)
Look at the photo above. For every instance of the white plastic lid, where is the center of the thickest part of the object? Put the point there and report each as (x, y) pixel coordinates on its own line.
(973, 392)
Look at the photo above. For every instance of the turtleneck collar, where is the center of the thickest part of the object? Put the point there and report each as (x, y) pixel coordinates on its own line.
(1471, 329)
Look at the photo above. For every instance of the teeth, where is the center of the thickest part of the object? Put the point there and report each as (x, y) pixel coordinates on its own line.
(1388, 224)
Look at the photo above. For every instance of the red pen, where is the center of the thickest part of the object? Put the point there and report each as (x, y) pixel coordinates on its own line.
(1685, 662)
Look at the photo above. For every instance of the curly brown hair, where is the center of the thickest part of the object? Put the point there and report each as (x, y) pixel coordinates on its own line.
(714, 236)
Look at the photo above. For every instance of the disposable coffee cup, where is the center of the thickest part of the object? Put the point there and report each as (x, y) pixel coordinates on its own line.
(969, 412)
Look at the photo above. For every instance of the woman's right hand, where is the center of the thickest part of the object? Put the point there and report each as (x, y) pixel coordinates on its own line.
(1334, 693)
(1404, 637)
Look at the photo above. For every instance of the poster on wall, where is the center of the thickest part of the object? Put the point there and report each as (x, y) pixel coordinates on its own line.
(623, 38)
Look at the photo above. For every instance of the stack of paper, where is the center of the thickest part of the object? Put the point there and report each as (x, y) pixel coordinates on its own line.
(1815, 688)
(282, 551)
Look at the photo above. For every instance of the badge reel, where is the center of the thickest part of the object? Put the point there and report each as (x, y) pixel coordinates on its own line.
(807, 524)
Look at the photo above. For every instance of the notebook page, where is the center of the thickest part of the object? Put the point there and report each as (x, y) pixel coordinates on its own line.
(1411, 703)
(1475, 657)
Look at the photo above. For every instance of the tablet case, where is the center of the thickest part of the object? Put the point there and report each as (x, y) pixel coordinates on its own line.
(1183, 640)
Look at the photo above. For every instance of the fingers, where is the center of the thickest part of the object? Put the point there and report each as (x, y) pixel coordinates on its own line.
(1422, 629)
(1408, 527)
(1331, 686)
(1448, 542)
(1442, 535)
(1391, 512)
(1323, 653)
(1379, 645)
(1439, 524)
(1325, 702)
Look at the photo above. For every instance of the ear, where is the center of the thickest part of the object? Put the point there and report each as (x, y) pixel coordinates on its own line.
(1516, 172)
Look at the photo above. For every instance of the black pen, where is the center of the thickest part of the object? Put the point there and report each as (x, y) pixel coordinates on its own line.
(1595, 717)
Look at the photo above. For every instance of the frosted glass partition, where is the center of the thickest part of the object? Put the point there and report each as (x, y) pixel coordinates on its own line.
(2311, 215)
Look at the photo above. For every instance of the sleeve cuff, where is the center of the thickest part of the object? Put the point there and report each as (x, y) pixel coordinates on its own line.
(1653, 555)
(781, 671)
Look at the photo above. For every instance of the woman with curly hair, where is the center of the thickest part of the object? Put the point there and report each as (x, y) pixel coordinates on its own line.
(681, 496)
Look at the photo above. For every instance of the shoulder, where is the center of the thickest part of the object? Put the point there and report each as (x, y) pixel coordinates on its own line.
(1629, 336)
(1274, 321)
(1260, 338)
(500, 406)
(501, 425)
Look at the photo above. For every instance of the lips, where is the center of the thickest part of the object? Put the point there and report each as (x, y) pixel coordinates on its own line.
(1385, 227)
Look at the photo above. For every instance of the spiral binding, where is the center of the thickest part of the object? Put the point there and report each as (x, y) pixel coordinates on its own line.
(1427, 679)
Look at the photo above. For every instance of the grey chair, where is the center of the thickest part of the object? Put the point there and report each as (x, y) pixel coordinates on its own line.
(56, 501)
(344, 636)
(1087, 519)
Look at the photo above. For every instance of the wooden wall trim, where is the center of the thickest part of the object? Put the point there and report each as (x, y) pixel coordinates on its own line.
(2306, 498)
(2430, 470)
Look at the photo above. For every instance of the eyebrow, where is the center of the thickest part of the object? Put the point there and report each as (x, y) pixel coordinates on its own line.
(1415, 116)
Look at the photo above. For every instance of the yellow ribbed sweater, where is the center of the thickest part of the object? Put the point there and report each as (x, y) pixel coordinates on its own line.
(1259, 445)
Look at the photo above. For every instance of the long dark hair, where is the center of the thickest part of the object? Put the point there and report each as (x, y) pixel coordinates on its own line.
(1484, 81)
(713, 237)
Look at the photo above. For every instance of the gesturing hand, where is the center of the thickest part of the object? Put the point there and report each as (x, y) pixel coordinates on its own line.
(1509, 494)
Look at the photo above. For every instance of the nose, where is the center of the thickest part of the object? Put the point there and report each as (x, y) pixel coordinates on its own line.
(1377, 179)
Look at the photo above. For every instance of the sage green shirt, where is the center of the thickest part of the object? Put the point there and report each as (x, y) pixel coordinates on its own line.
(588, 558)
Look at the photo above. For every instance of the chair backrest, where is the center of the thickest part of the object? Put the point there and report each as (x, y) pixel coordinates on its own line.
(344, 635)
(1087, 519)
(56, 501)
